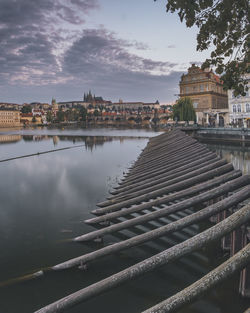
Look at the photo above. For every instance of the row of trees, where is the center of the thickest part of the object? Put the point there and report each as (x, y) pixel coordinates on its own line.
(183, 110)
(69, 115)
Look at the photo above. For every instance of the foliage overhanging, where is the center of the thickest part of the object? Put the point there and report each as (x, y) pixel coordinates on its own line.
(224, 25)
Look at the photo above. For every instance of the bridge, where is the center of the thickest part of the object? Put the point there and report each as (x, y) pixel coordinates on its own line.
(142, 118)
(175, 174)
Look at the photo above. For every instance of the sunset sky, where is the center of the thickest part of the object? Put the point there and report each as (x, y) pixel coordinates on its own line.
(130, 49)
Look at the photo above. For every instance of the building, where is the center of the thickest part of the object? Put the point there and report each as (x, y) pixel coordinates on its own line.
(9, 118)
(39, 105)
(12, 106)
(29, 118)
(54, 105)
(239, 108)
(205, 89)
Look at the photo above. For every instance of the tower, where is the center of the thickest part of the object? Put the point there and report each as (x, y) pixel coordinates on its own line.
(54, 105)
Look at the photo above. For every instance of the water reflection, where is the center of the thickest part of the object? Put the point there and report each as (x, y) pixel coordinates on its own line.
(43, 201)
(59, 142)
(90, 141)
(237, 155)
(10, 138)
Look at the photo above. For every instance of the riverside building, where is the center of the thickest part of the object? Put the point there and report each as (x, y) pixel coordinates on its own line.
(239, 108)
(9, 118)
(205, 89)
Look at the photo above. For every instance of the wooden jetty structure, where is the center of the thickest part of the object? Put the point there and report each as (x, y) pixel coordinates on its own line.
(173, 174)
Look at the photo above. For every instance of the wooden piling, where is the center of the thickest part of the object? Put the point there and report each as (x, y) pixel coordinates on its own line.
(175, 196)
(214, 233)
(165, 190)
(157, 214)
(203, 285)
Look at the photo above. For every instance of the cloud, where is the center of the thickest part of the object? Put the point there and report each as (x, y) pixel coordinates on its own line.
(30, 33)
(100, 60)
(43, 47)
(171, 46)
(100, 52)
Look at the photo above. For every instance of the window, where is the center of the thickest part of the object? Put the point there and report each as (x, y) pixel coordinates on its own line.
(234, 108)
(239, 108)
(201, 87)
(247, 107)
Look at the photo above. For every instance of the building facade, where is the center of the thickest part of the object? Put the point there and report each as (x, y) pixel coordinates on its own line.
(205, 89)
(239, 108)
(9, 118)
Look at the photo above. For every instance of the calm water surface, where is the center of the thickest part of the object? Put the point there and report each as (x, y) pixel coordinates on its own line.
(45, 198)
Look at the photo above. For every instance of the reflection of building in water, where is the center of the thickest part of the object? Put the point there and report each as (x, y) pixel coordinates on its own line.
(35, 137)
(90, 141)
(9, 118)
(55, 140)
(237, 155)
(10, 138)
(241, 160)
(40, 137)
(93, 141)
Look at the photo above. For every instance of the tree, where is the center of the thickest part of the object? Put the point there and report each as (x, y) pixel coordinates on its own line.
(183, 110)
(49, 117)
(26, 109)
(96, 112)
(225, 25)
(83, 113)
(60, 115)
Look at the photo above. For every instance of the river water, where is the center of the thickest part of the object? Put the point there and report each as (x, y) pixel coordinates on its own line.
(44, 199)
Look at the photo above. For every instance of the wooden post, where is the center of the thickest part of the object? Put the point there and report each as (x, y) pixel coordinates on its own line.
(244, 286)
(231, 179)
(226, 241)
(158, 214)
(159, 232)
(206, 283)
(214, 233)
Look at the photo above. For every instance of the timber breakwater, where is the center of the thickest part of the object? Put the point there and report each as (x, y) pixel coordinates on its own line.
(174, 174)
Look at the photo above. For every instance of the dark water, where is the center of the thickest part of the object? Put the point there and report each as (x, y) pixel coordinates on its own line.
(45, 198)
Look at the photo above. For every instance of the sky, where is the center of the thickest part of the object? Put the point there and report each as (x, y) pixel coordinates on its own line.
(131, 50)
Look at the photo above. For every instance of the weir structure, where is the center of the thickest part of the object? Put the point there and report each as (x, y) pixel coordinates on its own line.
(174, 174)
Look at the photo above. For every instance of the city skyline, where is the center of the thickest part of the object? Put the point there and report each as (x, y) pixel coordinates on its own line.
(133, 51)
